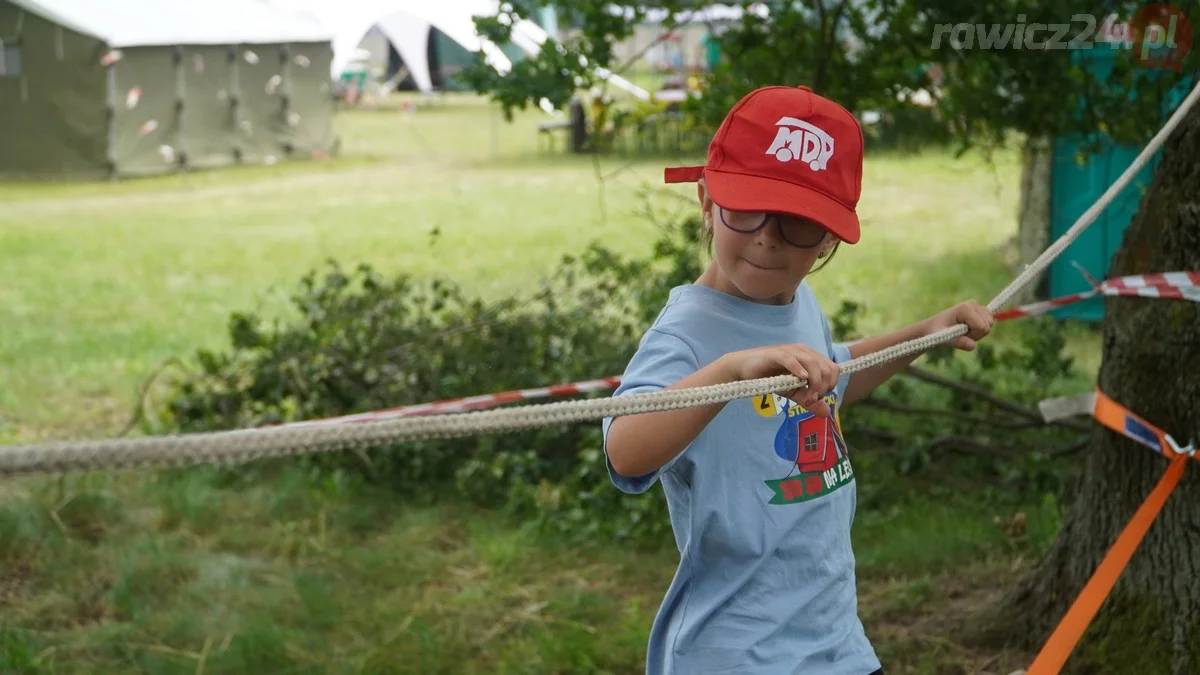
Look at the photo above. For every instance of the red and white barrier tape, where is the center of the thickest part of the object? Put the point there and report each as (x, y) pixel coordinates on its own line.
(1181, 285)
(1174, 285)
(471, 403)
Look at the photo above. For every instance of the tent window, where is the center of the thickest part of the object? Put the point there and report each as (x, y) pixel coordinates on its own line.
(10, 60)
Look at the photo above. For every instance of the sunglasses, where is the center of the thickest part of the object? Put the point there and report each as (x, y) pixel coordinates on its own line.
(796, 231)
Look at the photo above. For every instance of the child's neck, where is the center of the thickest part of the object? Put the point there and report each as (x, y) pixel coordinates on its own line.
(715, 279)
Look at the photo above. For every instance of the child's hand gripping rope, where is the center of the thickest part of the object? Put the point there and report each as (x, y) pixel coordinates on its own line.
(978, 318)
(795, 359)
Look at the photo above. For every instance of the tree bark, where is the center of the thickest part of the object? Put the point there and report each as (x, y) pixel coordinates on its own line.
(1151, 365)
(1033, 217)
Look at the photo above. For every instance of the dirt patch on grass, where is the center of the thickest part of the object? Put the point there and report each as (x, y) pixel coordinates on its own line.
(916, 624)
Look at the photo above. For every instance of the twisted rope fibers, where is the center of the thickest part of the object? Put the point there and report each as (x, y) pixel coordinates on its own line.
(239, 446)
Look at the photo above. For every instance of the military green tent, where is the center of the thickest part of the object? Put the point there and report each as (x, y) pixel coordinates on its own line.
(92, 88)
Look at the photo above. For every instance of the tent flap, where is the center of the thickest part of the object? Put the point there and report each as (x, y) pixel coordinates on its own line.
(208, 114)
(147, 132)
(309, 123)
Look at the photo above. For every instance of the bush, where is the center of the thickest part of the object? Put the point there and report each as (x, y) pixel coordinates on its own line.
(362, 342)
(970, 421)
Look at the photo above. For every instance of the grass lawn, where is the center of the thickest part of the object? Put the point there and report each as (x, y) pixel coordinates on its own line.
(186, 573)
(100, 282)
(182, 573)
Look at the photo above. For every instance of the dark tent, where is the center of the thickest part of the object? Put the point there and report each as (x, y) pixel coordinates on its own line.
(92, 88)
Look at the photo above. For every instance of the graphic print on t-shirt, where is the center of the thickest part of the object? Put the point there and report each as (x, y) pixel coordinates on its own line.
(811, 444)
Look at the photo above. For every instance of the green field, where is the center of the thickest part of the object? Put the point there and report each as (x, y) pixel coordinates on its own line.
(180, 573)
(101, 282)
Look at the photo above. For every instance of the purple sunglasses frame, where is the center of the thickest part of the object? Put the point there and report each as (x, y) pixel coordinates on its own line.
(767, 217)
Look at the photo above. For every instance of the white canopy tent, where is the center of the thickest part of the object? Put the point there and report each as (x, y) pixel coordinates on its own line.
(407, 24)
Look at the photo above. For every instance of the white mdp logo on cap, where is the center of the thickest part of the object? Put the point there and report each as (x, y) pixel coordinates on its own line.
(805, 142)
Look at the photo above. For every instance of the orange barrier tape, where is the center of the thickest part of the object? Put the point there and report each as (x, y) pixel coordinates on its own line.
(1116, 417)
(1120, 419)
(1062, 642)
(1123, 421)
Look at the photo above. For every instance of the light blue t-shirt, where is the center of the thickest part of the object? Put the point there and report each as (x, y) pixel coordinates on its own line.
(761, 504)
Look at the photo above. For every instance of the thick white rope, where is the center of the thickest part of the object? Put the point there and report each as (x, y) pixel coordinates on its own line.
(252, 444)
(1043, 261)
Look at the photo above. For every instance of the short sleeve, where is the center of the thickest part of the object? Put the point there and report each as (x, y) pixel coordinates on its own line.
(838, 353)
(662, 359)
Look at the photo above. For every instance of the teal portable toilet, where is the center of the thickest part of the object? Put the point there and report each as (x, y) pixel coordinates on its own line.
(548, 20)
(712, 51)
(1076, 184)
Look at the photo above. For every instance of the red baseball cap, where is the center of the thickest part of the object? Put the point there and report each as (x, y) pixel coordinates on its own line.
(786, 150)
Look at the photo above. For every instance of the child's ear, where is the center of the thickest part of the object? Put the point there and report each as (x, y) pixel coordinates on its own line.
(827, 246)
(706, 205)
(706, 202)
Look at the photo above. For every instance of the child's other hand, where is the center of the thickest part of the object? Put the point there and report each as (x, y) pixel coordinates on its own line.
(978, 318)
(796, 359)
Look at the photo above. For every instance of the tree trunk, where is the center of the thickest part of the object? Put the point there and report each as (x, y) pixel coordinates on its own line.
(1151, 364)
(1033, 216)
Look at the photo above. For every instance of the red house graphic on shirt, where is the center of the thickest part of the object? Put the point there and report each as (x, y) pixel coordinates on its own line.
(817, 450)
(817, 457)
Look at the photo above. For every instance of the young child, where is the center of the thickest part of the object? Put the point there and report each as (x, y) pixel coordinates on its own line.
(761, 492)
